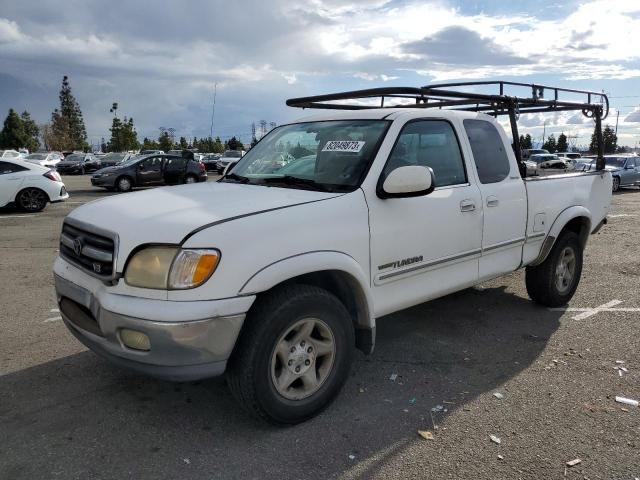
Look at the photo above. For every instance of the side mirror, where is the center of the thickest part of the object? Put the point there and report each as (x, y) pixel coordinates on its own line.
(409, 181)
(629, 167)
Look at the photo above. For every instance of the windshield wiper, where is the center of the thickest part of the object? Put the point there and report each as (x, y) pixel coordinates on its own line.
(236, 178)
(291, 180)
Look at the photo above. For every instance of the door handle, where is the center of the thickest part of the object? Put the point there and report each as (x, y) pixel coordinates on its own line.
(492, 201)
(467, 206)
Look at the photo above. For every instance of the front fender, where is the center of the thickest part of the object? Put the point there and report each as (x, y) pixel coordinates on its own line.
(310, 262)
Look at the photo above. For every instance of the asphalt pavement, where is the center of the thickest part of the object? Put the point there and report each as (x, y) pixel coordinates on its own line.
(66, 413)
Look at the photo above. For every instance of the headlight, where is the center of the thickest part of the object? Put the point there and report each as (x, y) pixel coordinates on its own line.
(171, 267)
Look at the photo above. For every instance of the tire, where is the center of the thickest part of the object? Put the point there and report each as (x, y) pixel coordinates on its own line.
(124, 184)
(544, 280)
(32, 200)
(191, 179)
(280, 319)
(615, 186)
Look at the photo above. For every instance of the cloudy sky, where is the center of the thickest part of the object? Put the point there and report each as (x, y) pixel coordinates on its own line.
(160, 59)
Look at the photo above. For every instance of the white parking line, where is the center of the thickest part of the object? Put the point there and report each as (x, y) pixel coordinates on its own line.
(17, 216)
(622, 215)
(52, 319)
(589, 312)
(54, 310)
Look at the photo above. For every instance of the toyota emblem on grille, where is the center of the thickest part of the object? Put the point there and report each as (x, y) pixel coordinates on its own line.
(77, 246)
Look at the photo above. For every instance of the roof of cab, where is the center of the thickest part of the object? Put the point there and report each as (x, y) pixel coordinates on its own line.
(388, 114)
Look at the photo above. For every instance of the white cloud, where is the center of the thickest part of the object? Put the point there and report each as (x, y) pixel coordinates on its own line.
(9, 31)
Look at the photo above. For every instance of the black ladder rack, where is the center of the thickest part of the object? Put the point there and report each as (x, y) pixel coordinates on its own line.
(504, 101)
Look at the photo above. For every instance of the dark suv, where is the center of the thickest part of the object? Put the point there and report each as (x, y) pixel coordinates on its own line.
(150, 170)
(79, 163)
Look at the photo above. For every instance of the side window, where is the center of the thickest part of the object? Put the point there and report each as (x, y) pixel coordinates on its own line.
(152, 163)
(488, 150)
(176, 163)
(429, 143)
(7, 167)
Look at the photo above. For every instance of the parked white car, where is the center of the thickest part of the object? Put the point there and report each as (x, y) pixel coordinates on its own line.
(228, 160)
(275, 275)
(547, 163)
(29, 186)
(9, 154)
(45, 159)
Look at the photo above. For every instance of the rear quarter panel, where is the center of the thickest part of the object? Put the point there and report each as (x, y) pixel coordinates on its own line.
(549, 197)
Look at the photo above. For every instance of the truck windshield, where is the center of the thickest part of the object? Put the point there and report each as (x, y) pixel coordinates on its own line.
(328, 156)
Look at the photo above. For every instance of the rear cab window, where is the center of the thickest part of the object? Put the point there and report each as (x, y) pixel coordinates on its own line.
(489, 155)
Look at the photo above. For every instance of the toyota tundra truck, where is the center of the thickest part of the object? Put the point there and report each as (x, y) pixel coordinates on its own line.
(276, 273)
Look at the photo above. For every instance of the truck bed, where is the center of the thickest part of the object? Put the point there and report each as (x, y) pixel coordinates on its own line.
(549, 196)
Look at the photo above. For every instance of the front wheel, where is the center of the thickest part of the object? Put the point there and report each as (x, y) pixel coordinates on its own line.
(294, 354)
(32, 200)
(554, 281)
(124, 184)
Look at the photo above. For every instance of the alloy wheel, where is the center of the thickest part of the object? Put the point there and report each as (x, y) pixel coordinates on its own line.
(302, 359)
(565, 269)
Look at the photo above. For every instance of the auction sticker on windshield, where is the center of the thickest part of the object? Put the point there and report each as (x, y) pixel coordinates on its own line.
(343, 146)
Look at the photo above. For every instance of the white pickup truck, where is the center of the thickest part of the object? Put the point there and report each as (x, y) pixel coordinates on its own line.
(275, 274)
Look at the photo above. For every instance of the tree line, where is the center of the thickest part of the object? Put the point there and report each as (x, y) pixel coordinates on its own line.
(553, 145)
(66, 132)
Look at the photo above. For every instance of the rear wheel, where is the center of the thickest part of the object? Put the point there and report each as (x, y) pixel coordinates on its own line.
(124, 184)
(32, 200)
(191, 179)
(294, 354)
(554, 281)
(615, 186)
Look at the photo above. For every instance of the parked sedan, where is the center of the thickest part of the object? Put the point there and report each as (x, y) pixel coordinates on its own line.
(228, 158)
(150, 170)
(45, 159)
(210, 160)
(79, 163)
(29, 186)
(9, 154)
(625, 170)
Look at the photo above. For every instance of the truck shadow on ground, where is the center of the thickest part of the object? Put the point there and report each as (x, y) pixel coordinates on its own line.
(84, 416)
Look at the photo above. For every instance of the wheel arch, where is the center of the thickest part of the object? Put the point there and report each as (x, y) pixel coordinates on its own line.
(31, 188)
(576, 219)
(335, 272)
(124, 175)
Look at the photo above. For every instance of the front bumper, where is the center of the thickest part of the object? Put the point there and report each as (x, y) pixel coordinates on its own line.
(107, 181)
(69, 170)
(180, 350)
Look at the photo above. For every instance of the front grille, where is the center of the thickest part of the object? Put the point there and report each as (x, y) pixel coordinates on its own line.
(90, 251)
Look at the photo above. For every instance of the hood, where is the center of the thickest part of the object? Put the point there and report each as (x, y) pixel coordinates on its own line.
(611, 168)
(169, 214)
(69, 162)
(106, 170)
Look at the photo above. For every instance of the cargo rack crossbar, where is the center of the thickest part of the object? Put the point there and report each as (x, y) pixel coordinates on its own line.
(543, 99)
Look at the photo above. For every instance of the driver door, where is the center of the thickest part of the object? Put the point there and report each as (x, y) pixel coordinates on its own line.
(426, 246)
